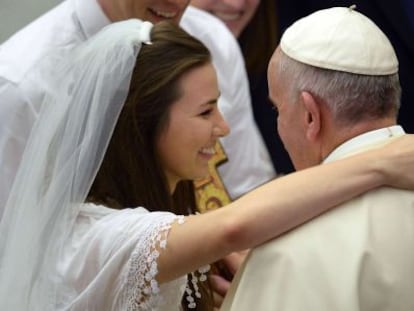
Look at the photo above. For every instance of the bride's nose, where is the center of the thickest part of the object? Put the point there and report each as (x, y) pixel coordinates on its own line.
(221, 128)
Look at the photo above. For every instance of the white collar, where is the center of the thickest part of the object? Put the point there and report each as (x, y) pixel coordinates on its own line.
(366, 139)
(91, 16)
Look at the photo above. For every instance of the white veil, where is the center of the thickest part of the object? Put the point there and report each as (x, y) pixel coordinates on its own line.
(87, 88)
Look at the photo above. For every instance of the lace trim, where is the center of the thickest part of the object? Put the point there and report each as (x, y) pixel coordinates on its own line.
(142, 288)
(194, 281)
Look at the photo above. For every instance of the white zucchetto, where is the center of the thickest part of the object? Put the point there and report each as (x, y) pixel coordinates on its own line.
(340, 39)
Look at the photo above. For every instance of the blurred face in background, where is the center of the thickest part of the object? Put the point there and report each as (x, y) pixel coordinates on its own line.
(236, 14)
(148, 10)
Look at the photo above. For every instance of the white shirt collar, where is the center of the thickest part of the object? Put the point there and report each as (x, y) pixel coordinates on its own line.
(91, 16)
(368, 138)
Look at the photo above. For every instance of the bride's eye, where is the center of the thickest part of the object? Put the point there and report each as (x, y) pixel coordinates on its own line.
(206, 112)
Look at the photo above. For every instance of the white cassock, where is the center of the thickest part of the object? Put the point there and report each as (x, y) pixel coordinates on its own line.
(356, 257)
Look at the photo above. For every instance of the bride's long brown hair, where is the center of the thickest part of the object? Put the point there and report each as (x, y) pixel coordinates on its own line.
(131, 174)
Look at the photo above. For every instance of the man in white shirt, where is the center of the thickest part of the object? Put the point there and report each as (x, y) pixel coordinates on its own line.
(334, 80)
(74, 21)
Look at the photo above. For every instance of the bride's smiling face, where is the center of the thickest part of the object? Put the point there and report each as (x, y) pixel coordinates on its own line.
(186, 143)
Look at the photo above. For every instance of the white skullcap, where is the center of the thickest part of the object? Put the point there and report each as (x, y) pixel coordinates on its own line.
(340, 39)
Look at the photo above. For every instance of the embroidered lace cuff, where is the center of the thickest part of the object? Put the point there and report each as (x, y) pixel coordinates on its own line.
(142, 288)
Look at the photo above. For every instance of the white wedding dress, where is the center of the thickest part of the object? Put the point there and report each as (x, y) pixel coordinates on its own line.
(111, 260)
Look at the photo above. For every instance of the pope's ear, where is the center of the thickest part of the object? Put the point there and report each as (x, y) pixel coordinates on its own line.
(312, 114)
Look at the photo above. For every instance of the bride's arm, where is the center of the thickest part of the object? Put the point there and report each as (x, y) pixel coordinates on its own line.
(281, 205)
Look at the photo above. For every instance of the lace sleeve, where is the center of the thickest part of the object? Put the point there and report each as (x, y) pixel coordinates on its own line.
(112, 262)
(142, 290)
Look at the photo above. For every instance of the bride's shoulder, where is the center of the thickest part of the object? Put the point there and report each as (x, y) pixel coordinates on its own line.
(102, 210)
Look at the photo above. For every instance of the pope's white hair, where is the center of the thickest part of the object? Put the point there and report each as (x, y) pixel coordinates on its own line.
(350, 97)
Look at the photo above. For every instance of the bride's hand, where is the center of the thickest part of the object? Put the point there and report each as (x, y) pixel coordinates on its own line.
(396, 162)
